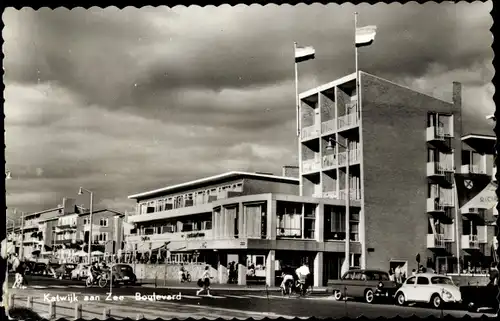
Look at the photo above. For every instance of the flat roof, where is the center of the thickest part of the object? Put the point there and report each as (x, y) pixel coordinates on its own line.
(85, 213)
(213, 179)
(44, 211)
(476, 136)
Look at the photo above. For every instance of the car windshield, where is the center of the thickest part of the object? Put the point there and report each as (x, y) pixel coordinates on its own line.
(441, 280)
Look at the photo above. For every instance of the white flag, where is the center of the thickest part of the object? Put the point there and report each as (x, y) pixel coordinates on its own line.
(365, 35)
(304, 53)
(345, 267)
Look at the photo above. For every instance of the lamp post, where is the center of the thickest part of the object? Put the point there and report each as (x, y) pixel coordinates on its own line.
(330, 147)
(80, 192)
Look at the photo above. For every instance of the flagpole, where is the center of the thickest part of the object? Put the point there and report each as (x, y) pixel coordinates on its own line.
(356, 55)
(297, 107)
(457, 239)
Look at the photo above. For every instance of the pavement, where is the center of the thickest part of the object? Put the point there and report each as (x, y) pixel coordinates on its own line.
(225, 303)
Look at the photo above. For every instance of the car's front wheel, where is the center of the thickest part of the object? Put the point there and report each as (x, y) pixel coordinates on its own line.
(471, 307)
(436, 301)
(400, 299)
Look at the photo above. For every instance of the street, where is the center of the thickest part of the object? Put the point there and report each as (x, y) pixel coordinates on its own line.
(227, 302)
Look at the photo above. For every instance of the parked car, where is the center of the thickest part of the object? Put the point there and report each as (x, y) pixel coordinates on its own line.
(80, 272)
(370, 285)
(123, 273)
(475, 297)
(429, 288)
(64, 271)
(39, 268)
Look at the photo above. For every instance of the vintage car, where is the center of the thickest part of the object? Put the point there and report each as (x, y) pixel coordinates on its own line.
(123, 273)
(80, 272)
(370, 285)
(39, 268)
(475, 297)
(429, 288)
(64, 270)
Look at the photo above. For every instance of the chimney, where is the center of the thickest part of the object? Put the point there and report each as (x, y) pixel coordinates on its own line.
(457, 95)
(68, 205)
(290, 171)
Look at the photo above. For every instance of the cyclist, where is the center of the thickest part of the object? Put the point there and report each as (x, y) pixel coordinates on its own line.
(287, 282)
(93, 271)
(302, 273)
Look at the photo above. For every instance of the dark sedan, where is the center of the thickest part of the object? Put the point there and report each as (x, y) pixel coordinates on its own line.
(475, 297)
(371, 285)
(64, 271)
(39, 268)
(123, 273)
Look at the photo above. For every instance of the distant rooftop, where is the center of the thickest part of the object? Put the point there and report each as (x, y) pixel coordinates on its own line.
(214, 179)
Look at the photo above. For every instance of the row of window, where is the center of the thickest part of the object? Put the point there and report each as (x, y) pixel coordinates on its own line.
(104, 222)
(188, 199)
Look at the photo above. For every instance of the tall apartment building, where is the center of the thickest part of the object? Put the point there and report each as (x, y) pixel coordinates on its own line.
(249, 218)
(478, 225)
(404, 147)
(60, 232)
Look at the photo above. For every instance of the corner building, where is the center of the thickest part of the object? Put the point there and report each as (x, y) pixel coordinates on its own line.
(404, 147)
(249, 218)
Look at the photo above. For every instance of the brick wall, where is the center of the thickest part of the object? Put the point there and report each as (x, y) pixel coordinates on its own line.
(394, 168)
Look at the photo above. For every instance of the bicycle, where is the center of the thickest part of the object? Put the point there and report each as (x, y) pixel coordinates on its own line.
(101, 280)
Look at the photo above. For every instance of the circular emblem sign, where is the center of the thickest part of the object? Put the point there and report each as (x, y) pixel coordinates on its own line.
(468, 183)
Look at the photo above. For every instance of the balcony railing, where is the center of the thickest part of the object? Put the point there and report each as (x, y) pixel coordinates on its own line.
(309, 132)
(331, 194)
(288, 232)
(329, 161)
(177, 236)
(472, 169)
(471, 211)
(439, 168)
(311, 165)
(348, 120)
(328, 126)
(470, 242)
(353, 157)
(435, 241)
(355, 194)
(434, 206)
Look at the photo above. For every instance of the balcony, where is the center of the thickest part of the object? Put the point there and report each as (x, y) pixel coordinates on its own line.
(438, 169)
(329, 161)
(354, 157)
(355, 194)
(309, 132)
(31, 224)
(494, 173)
(495, 210)
(164, 237)
(349, 120)
(470, 242)
(472, 169)
(311, 165)
(331, 194)
(328, 126)
(435, 134)
(474, 211)
(435, 241)
(433, 206)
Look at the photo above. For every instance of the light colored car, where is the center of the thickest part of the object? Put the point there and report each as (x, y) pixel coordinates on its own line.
(80, 272)
(430, 288)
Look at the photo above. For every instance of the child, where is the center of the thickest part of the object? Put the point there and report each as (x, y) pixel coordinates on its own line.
(205, 282)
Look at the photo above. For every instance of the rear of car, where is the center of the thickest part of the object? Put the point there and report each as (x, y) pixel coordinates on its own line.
(123, 273)
(80, 272)
(39, 268)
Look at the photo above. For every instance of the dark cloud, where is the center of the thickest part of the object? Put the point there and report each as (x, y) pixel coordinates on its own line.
(123, 101)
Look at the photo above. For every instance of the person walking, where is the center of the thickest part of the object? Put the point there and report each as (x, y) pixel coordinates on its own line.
(204, 282)
(493, 275)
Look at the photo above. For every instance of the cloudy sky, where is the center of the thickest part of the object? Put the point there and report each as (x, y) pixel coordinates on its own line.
(123, 101)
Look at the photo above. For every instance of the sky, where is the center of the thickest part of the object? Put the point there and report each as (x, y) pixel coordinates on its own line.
(125, 101)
